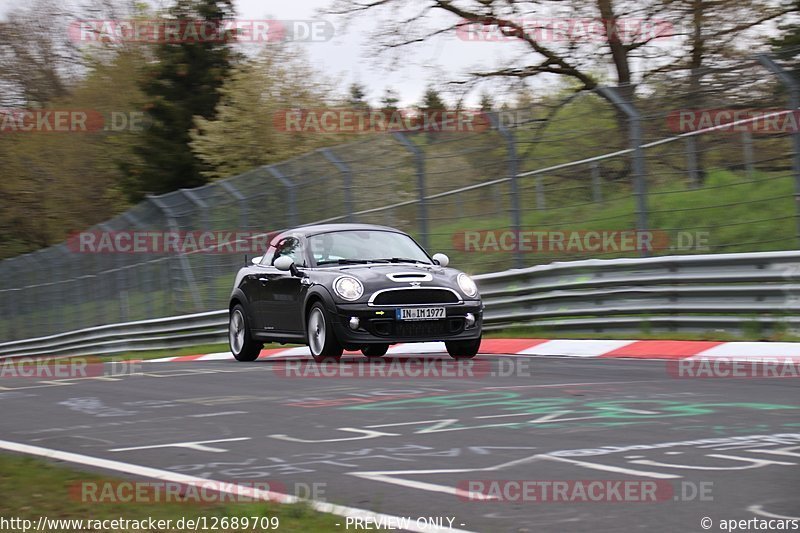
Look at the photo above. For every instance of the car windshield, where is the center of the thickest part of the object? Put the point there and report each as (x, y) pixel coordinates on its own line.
(365, 246)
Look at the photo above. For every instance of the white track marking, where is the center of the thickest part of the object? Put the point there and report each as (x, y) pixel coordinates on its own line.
(609, 468)
(389, 477)
(197, 445)
(759, 510)
(752, 350)
(576, 347)
(753, 463)
(224, 413)
(230, 488)
(572, 384)
(417, 348)
(365, 434)
(422, 485)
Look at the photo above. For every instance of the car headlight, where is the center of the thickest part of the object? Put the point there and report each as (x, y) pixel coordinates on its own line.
(348, 288)
(467, 286)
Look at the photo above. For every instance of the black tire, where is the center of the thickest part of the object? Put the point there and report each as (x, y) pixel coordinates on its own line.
(463, 349)
(242, 345)
(375, 350)
(322, 341)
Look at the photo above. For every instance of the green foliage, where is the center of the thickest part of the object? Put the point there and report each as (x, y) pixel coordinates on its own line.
(49, 179)
(389, 100)
(182, 84)
(247, 131)
(357, 94)
(787, 46)
(33, 487)
(431, 101)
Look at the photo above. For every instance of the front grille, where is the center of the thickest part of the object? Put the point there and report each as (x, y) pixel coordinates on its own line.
(426, 328)
(415, 296)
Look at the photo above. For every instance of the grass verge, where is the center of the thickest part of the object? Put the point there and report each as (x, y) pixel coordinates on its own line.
(31, 487)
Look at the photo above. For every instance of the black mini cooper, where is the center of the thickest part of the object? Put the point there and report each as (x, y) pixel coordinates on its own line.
(354, 287)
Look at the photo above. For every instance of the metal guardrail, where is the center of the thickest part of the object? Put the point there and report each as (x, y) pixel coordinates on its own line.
(756, 292)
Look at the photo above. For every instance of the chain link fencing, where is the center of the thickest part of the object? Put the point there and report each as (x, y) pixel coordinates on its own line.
(705, 162)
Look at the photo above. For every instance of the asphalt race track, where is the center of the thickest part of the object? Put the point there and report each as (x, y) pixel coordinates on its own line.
(407, 446)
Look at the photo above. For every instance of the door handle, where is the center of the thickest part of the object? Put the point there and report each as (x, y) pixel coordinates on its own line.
(263, 280)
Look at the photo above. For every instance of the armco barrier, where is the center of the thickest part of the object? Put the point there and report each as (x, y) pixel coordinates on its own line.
(754, 292)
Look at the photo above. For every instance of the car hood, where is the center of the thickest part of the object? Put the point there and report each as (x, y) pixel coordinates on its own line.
(381, 276)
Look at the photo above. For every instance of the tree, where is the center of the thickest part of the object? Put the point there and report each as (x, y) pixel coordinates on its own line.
(356, 100)
(630, 33)
(486, 103)
(389, 101)
(431, 101)
(183, 84)
(247, 131)
(37, 60)
(57, 183)
(787, 46)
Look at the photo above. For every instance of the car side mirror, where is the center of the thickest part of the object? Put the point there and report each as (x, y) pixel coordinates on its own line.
(256, 260)
(284, 263)
(441, 259)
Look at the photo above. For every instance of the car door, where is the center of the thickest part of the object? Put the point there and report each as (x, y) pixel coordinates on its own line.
(284, 291)
(255, 287)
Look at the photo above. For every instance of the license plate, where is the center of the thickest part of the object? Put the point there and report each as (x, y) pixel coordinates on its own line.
(420, 313)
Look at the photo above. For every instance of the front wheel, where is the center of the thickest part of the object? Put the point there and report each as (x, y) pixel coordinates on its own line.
(243, 347)
(375, 350)
(321, 340)
(463, 349)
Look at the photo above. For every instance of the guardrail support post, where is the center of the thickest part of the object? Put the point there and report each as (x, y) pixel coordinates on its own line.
(513, 170)
(347, 176)
(290, 193)
(419, 158)
(186, 268)
(793, 88)
(635, 139)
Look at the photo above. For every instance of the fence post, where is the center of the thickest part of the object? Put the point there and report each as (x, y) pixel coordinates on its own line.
(241, 199)
(419, 158)
(72, 319)
(691, 162)
(290, 193)
(513, 170)
(747, 149)
(8, 313)
(147, 281)
(211, 261)
(186, 268)
(637, 161)
(120, 286)
(29, 279)
(793, 88)
(347, 175)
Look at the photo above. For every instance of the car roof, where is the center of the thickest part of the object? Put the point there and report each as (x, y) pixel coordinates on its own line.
(316, 229)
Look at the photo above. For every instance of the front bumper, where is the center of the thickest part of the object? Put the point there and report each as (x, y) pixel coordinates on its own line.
(378, 325)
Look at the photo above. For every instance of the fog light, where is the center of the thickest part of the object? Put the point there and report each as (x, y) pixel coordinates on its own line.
(354, 322)
(469, 319)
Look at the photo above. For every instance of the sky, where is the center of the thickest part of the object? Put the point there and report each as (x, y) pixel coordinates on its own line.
(351, 55)
(348, 57)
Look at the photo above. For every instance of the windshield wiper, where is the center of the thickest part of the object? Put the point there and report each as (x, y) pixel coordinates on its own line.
(344, 262)
(404, 260)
